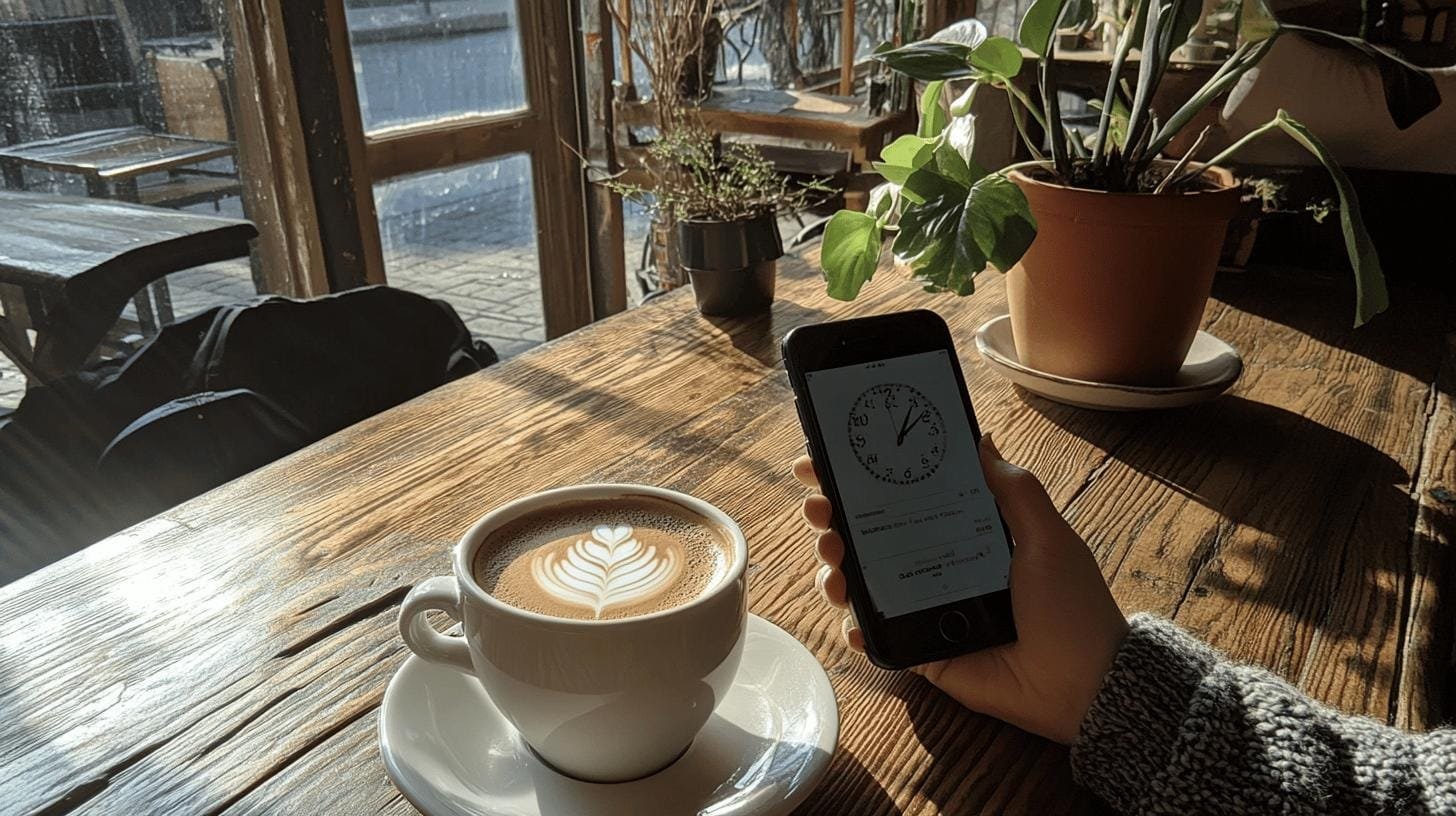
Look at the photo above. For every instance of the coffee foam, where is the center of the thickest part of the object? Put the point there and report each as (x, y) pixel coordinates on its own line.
(603, 559)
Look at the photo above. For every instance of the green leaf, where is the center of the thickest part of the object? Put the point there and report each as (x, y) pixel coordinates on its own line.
(1370, 295)
(927, 60)
(884, 204)
(932, 182)
(1179, 20)
(952, 165)
(932, 116)
(928, 243)
(1410, 92)
(850, 253)
(998, 56)
(1039, 24)
(908, 151)
(1256, 22)
(947, 240)
(925, 168)
(1116, 120)
(999, 220)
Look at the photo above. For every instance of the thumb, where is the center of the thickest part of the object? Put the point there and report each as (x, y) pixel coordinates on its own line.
(1023, 501)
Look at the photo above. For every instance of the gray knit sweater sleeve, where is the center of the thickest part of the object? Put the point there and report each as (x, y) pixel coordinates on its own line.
(1178, 729)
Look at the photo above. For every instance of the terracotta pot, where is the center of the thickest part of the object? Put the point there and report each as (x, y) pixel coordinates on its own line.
(1113, 287)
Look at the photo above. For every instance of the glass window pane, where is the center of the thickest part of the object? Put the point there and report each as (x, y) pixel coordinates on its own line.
(467, 235)
(421, 60)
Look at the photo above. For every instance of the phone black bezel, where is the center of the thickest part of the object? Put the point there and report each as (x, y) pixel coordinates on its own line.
(914, 638)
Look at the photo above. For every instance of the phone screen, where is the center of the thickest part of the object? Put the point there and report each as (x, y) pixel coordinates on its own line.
(922, 521)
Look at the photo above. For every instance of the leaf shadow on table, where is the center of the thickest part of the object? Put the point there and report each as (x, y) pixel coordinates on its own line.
(1310, 521)
(1406, 337)
(758, 335)
(681, 449)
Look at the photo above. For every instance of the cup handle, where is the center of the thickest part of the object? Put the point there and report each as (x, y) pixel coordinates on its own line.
(442, 594)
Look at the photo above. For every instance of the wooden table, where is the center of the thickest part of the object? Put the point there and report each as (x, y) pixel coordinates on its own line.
(69, 264)
(112, 161)
(841, 121)
(229, 656)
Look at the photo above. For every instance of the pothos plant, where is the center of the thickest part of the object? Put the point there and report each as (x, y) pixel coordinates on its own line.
(946, 219)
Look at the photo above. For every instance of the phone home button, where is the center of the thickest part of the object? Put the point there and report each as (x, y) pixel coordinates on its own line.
(954, 627)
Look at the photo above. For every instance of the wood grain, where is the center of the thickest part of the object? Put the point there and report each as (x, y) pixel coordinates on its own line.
(229, 655)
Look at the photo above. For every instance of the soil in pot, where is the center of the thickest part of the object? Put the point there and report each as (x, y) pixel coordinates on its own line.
(1113, 288)
(732, 264)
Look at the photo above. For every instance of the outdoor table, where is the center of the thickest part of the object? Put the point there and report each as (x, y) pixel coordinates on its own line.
(229, 655)
(112, 161)
(69, 264)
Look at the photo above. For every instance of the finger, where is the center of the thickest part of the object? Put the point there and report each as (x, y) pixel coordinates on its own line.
(804, 472)
(818, 511)
(831, 548)
(852, 635)
(832, 586)
(1023, 501)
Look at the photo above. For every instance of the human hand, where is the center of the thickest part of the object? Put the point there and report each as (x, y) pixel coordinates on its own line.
(1068, 625)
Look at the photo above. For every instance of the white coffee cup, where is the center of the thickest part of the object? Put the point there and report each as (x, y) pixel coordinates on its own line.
(600, 700)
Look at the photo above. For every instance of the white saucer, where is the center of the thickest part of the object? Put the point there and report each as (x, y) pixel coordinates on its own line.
(764, 750)
(1209, 369)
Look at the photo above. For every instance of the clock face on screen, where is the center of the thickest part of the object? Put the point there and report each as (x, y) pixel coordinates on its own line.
(896, 433)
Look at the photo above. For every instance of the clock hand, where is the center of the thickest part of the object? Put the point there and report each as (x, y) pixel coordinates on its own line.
(913, 424)
(904, 429)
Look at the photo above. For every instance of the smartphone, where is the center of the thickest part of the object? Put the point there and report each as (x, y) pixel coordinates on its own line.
(894, 440)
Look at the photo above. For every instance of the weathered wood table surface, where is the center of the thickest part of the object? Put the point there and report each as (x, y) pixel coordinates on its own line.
(230, 655)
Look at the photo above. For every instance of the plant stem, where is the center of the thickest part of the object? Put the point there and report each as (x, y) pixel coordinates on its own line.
(1246, 57)
(1142, 98)
(1020, 122)
(1079, 149)
(1026, 100)
(1053, 107)
(1236, 146)
(1168, 180)
(1104, 122)
(1049, 99)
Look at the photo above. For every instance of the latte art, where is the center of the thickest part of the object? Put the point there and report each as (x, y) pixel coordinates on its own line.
(609, 569)
(603, 559)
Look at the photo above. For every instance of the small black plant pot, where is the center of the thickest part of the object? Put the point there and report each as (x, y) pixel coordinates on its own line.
(732, 264)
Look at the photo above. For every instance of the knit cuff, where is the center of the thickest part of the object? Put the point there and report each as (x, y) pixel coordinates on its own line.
(1129, 731)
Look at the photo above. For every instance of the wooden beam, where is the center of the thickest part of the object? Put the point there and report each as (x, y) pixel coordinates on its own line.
(351, 129)
(271, 156)
(559, 184)
(624, 8)
(324, 88)
(846, 49)
(604, 208)
(436, 145)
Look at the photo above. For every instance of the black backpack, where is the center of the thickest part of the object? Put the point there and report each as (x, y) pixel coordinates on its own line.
(209, 399)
